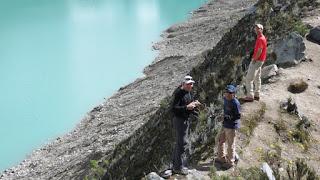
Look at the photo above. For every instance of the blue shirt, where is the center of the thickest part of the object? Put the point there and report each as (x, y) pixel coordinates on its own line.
(231, 113)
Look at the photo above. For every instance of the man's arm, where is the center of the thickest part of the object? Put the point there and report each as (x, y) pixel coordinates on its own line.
(176, 104)
(236, 111)
(259, 51)
(257, 55)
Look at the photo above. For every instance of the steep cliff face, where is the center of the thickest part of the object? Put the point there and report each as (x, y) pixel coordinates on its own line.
(131, 133)
(150, 148)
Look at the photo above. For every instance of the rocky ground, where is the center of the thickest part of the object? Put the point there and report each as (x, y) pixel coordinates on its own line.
(264, 138)
(118, 117)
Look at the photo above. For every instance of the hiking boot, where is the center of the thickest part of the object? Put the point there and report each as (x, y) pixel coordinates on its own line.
(183, 171)
(227, 165)
(236, 158)
(257, 98)
(221, 160)
(248, 99)
(166, 174)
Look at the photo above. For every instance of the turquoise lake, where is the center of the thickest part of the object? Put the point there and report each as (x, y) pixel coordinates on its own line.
(61, 58)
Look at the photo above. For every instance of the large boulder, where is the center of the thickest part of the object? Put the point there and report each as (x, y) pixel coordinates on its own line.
(289, 51)
(314, 35)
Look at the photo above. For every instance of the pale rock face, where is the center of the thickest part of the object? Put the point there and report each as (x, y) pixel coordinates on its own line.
(290, 50)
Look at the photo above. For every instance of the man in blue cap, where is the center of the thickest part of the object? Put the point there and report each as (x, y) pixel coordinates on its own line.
(231, 122)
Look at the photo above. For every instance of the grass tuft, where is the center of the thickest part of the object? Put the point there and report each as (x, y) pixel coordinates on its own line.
(297, 86)
(249, 124)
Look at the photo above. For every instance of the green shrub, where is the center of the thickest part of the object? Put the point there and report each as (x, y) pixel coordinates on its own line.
(301, 136)
(300, 28)
(298, 86)
(300, 170)
(164, 103)
(253, 173)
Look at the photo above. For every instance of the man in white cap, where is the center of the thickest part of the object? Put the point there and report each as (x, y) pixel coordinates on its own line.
(254, 70)
(183, 105)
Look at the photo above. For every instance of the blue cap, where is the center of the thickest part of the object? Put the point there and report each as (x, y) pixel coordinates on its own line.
(231, 88)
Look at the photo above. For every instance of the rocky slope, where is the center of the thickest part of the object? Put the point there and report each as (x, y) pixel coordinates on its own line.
(116, 120)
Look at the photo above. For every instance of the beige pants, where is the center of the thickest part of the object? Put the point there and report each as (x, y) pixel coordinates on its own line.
(254, 76)
(229, 136)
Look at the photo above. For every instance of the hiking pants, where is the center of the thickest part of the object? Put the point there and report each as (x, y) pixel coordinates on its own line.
(229, 136)
(181, 127)
(254, 77)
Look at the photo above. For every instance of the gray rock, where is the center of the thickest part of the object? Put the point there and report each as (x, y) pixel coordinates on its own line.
(153, 176)
(314, 35)
(196, 175)
(269, 71)
(289, 51)
(268, 171)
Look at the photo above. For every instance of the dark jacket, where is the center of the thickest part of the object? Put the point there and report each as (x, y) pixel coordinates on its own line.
(181, 99)
(231, 114)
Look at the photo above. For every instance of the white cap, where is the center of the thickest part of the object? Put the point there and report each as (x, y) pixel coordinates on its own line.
(188, 79)
(259, 26)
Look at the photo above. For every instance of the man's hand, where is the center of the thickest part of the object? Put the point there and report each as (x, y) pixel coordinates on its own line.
(191, 106)
(227, 117)
(197, 103)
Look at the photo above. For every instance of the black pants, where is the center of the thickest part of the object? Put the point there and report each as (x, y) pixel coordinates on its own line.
(181, 126)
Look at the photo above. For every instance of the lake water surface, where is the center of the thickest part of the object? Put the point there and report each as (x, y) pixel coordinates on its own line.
(60, 58)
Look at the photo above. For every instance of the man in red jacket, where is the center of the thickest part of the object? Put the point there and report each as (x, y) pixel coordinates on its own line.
(254, 71)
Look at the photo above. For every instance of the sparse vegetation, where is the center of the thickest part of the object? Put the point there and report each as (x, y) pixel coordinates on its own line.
(253, 173)
(300, 170)
(213, 174)
(300, 28)
(280, 126)
(213, 171)
(273, 156)
(97, 172)
(164, 103)
(300, 133)
(301, 136)
(250, 123)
